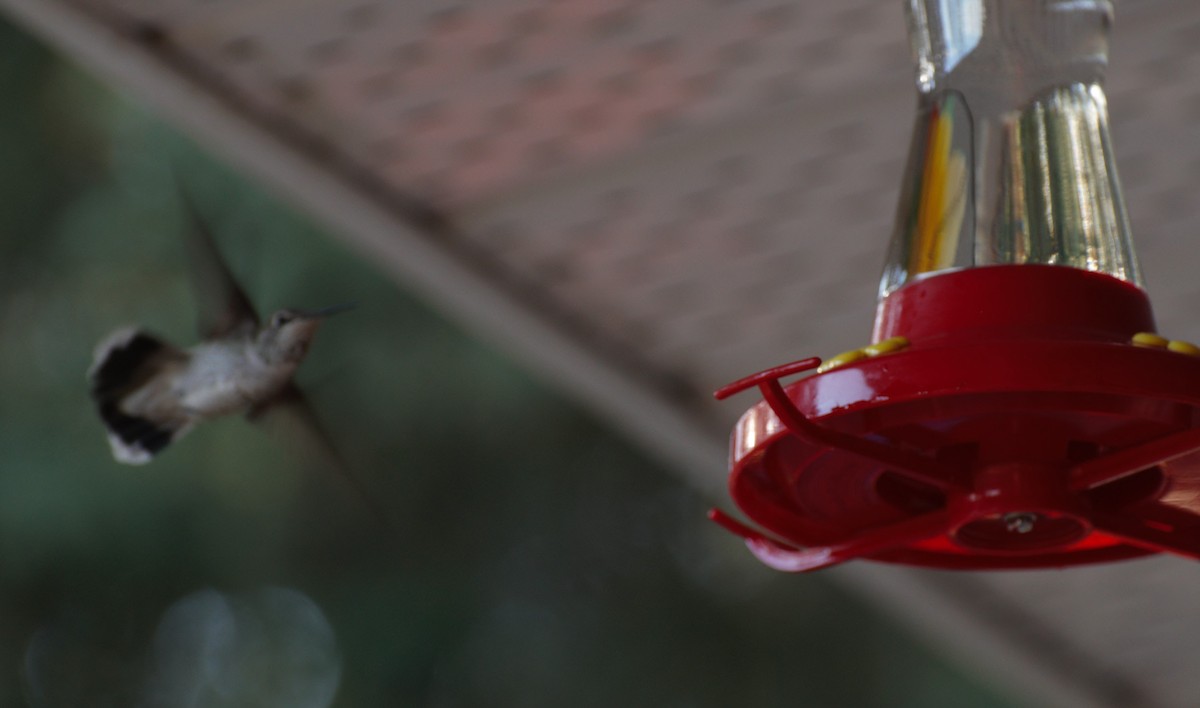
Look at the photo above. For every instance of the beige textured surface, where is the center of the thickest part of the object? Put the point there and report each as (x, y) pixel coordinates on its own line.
(652, 198)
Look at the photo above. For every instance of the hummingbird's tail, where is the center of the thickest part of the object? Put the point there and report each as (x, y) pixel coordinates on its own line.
(127, 365)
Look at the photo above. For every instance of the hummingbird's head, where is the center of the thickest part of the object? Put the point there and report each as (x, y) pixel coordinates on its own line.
(285, 338)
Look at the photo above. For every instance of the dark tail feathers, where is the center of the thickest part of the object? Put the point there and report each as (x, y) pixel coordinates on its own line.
(123, 363)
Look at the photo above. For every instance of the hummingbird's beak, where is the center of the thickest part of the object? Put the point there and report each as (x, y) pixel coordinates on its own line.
(327, 311)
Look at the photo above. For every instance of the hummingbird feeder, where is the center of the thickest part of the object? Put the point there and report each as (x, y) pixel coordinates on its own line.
(1016, 408)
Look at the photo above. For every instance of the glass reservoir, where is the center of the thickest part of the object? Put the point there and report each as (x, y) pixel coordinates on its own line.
(1011, 160)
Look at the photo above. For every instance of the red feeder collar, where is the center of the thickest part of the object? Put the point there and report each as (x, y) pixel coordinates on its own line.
(1019, 429)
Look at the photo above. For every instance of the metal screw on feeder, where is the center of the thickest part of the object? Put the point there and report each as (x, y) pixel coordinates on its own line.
(1016, 409)
(1019, 523)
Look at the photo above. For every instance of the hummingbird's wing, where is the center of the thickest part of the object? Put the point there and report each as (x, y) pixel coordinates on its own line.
(293, 413)
(222, 304)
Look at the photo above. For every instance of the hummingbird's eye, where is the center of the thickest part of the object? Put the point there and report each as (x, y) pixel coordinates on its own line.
(281, 318)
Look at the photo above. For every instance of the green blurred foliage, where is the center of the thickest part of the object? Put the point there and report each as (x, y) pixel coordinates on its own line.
(538, 560)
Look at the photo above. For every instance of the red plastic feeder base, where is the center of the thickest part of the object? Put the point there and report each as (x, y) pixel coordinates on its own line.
(1020, 428)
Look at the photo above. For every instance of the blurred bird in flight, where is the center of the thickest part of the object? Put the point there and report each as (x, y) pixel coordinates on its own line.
(149, 392)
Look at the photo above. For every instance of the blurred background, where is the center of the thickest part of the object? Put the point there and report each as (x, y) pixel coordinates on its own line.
(540, 559)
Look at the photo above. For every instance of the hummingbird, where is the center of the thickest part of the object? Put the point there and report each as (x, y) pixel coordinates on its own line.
(150, 393)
